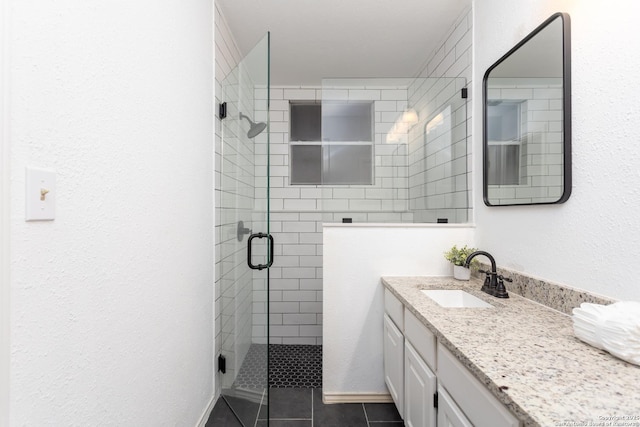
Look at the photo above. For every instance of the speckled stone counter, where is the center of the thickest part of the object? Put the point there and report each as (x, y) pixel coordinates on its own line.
(528, 357)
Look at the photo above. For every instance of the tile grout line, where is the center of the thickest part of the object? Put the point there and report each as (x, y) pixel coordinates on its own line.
(366, 417)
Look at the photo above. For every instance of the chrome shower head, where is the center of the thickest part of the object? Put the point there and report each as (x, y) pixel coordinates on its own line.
(255, 129)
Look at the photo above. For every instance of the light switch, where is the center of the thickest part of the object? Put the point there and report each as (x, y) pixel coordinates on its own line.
(41, 194)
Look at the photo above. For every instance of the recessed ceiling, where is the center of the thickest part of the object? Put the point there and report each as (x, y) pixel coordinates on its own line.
(314, 39)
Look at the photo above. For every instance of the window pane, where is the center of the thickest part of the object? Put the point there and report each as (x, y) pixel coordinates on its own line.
(347, 121)
(306, 164)
(503, 164)
(348, 164)
(305, 121)
(503, 121)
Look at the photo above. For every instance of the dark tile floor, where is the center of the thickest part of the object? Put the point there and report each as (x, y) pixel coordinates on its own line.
(302, 407)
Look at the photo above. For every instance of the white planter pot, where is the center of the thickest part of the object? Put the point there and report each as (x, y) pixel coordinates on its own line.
(461, 273)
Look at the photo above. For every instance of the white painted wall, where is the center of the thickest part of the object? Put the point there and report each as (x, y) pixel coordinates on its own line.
(355, 257)
(111, 303)
(591, 241)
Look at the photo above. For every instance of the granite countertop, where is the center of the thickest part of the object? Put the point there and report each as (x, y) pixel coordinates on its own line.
(528, 356)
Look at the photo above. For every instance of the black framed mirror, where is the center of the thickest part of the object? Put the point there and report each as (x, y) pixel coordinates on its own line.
(527, 120)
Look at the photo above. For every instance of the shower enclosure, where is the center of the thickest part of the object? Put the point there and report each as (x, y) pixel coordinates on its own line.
(245, 246)
(367, 150)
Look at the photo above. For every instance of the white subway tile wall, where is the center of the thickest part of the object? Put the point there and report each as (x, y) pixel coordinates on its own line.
(440, 174)
(438, 153)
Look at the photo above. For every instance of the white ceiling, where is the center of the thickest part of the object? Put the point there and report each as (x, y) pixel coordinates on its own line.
(313, 39)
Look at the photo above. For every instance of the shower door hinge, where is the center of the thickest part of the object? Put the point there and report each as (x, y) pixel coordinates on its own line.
(463, 93)
(222, 110)
(222, 364)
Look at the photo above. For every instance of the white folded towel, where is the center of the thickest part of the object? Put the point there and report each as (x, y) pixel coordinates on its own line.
(614, 328)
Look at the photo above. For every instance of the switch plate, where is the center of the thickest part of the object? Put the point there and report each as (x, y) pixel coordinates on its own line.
(41, 195)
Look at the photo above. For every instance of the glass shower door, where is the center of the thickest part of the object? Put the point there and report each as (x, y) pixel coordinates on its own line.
(245, 243)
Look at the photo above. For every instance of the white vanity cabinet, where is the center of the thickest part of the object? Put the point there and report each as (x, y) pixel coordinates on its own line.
(409, 360)
(450, 397)
(394, 362)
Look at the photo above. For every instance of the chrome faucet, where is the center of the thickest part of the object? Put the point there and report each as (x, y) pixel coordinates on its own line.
(493, 283)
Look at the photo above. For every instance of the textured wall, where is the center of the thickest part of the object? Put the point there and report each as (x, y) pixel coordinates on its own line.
(590, 241)
(111, 304)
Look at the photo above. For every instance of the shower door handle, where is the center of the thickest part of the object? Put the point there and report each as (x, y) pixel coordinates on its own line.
(269, 255)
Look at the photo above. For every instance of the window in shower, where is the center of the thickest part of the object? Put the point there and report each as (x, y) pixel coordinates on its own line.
(504, 136)
(331, 142)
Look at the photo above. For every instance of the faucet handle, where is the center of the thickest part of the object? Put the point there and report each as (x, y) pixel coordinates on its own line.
(487, 272)
(506, 279)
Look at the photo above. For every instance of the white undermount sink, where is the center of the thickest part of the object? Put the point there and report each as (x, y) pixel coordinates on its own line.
(455, 298)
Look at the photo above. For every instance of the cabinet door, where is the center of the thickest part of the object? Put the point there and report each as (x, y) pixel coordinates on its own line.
(449, 415)
(419, 389)
(393, 362)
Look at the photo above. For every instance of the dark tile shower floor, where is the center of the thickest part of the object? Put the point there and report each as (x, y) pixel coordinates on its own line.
(291, 366)
(295, 394)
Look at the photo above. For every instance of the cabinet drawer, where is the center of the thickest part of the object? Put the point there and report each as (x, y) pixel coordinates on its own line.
(394, 308)
(422, 339)
(477, 403)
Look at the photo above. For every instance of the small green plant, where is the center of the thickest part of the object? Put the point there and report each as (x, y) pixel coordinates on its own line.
(459, 256)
